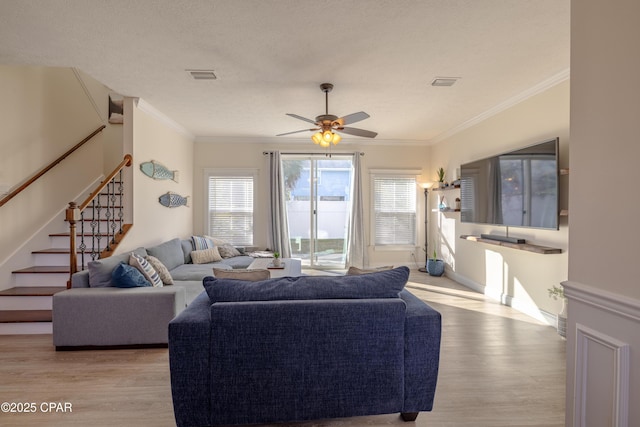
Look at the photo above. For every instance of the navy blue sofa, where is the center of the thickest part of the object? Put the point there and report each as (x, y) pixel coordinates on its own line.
(294, 349)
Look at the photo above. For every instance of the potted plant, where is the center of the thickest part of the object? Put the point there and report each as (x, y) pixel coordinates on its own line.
(276, 259)
(557, 292)
(435, 266)
(440, 173)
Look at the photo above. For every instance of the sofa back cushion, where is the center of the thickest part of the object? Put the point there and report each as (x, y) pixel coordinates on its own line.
(169, 253)
(383, 284)
(100, 270)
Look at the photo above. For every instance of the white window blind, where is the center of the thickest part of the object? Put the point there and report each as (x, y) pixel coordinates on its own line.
(231, 208)
(394, 210)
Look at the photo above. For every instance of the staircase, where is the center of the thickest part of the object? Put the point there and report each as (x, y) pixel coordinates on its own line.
(26, 308)
(97, 227)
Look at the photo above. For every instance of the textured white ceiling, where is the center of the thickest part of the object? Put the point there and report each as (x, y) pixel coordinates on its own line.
(271, 55)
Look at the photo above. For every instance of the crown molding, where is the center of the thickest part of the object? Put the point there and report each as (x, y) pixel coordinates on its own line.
(306, 141)
(145, 107)
(532, 91)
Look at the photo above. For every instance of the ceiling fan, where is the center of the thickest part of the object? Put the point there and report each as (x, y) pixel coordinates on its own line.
(327, 124)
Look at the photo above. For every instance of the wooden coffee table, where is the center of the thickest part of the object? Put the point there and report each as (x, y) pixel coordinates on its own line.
(292, 267)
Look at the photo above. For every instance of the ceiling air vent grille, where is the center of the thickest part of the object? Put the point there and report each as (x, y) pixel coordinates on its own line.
(202, 74)
(444, 81)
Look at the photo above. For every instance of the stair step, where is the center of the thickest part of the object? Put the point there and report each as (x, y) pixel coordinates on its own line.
(32, 291)
(53, 251)
(20, 316)
(86, 234)
(43, 269)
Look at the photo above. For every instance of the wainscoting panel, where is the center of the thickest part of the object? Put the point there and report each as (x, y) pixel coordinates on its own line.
(601, 360)
(602, 377)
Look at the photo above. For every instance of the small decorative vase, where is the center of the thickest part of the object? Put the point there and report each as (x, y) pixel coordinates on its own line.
(435, 267)
(562, 319)
(277, 262)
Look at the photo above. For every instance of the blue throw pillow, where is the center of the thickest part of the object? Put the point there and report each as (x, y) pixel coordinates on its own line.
(383, 284)
(127, 276)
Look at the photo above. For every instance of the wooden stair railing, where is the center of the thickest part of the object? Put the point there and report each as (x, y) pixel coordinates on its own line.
(114, 230)
(47, 168)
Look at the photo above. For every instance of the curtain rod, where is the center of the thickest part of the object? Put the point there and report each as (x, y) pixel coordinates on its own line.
(264, 153)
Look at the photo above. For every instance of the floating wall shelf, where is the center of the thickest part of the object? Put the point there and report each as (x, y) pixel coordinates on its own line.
(544, 250)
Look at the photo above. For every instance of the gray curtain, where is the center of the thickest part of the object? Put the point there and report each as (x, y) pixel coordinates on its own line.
(357, 254)
(278, 224)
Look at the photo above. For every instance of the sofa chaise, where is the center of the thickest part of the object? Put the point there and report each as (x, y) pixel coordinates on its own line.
(311, 347)
(95, 313)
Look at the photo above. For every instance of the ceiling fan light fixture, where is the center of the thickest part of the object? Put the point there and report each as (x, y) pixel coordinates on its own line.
(317, 138)
(325, 144)
(327, 135)
(336, 138)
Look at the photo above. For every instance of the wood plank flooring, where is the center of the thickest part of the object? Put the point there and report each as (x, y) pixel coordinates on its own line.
(498, 368)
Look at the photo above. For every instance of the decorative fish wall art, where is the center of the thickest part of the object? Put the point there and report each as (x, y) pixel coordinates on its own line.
(156, 170)
(173, 200)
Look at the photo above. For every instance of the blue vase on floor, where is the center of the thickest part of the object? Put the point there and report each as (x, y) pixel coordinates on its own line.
(435, 267)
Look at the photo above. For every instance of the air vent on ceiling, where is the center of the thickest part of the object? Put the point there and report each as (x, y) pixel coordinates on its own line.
(202, 74)
(444, 81)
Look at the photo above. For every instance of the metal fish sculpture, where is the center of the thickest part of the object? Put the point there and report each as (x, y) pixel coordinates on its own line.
(156, 170)
(173, 200)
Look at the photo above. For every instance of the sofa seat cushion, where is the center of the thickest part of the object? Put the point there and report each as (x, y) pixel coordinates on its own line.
(383, 284)
(195, 271)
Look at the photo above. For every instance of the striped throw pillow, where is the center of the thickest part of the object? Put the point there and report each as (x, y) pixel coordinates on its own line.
(146, 269)
(201, 242)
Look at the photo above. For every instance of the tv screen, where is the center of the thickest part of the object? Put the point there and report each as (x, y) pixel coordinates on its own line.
(514, 189)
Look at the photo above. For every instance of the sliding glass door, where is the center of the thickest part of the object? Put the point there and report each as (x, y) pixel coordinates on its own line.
(318, 203)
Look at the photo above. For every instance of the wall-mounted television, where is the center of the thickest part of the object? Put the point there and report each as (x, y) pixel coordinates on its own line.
(514, 189)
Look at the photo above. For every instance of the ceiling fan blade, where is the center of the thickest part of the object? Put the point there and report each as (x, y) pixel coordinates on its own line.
(297, 131)
(358, 132)
(301, 118)
(352, 118)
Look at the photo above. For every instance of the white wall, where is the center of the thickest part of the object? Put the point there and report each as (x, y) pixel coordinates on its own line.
(151, 136)
(378, 155)
(603, 338)
(45, 112)
(518, 278)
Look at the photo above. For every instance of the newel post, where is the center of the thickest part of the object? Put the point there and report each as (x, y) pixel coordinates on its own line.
(72, 215)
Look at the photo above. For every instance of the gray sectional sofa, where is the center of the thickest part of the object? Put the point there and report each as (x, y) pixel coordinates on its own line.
(94, 313)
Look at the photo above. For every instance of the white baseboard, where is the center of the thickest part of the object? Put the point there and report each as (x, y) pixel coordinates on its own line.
(522, 306)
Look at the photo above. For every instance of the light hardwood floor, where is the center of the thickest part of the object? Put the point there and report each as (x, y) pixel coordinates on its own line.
(498, 368)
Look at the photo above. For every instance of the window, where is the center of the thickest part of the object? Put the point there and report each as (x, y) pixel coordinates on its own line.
(394, 210)
(230, 206)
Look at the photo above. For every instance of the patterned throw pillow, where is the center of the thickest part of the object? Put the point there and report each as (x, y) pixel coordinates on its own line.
(228, 251)
(127, 276)
(201, 242)
(160, 268)
(205, 256)
(146, 269)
